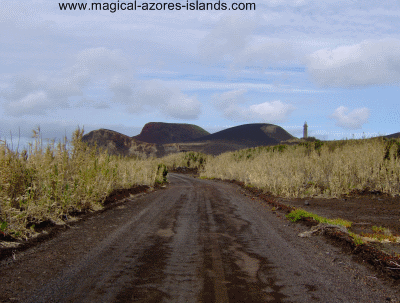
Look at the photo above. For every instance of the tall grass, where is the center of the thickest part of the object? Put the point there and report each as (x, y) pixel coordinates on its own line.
(49, 183)
(314, 168)
(186, 159)
(46, 184)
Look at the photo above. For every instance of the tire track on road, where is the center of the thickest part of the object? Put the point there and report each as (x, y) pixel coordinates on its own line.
(196, 241)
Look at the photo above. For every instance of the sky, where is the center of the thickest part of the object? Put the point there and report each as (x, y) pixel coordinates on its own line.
(334, 64)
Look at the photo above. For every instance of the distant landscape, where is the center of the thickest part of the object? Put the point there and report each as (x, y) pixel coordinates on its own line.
(46, 184)
(158, 139)
(172, 149)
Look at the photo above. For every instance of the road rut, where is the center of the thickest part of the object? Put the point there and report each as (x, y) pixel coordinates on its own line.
(196, 241)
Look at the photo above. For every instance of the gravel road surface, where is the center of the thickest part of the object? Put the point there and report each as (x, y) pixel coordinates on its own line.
(195, 241)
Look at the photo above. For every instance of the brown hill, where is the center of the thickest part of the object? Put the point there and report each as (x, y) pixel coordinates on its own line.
(231, 139)
(393, 136)
(240, 137)
(118, 144)
(250, 134)
(164, 133)
(111, 140)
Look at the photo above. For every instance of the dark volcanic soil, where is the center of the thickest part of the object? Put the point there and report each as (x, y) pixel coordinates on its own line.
(195, 241)
(365, 210)
(49, 230)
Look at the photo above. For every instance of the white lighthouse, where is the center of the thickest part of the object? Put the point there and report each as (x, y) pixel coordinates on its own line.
(305, 130)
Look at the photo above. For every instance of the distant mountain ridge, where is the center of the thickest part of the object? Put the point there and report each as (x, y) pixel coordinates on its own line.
(164, 133)
(393, 136)
(158, 139)
(256, 133)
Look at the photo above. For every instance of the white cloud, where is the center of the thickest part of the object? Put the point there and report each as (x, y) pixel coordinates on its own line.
(152, 93)
(368, 63)
(181, 106)
(100, 60)
(170, 101)
(232, 41)
(22, 15)
(38, 93)
(295, 3)
(34, 103)
(229, 36)
(265, 54)
(122, 87)
(232, 106)
(350, 120)
(230, 98)
(272, 111)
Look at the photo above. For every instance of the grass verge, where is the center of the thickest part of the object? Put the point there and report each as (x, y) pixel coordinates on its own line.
(327, 169)
(45, 184)
(299, 213)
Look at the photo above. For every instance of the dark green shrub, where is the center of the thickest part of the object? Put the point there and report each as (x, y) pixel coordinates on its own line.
(162, 171)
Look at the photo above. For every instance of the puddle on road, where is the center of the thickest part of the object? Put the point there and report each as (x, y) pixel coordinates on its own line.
(248, 277)
(165, 233)
(248, 264)
(149, 272)
(245, 276)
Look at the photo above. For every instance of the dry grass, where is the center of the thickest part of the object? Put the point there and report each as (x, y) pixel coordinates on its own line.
(186, 159)
(46, 184)
(314, 168)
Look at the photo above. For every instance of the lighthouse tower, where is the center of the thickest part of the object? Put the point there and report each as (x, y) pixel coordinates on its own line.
(305, 130)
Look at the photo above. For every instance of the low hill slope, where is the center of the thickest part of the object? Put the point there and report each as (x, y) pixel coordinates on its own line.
(164, 133)
(253, 134)
(393, 136)
(239, 137)
(109, 139)
(118, 144)
(167, 138)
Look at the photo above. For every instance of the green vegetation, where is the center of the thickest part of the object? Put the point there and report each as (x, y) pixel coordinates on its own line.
(199, 129)
(299, 213)
(380, 234)
(356, 239)
(379, 229)
(162, 170)
(186, 159)
(46, 184)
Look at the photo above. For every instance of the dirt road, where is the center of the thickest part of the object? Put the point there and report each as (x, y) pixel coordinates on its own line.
(196, 241)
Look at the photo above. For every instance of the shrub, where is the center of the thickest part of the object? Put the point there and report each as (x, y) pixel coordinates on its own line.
(186, 159)
(162, 173)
